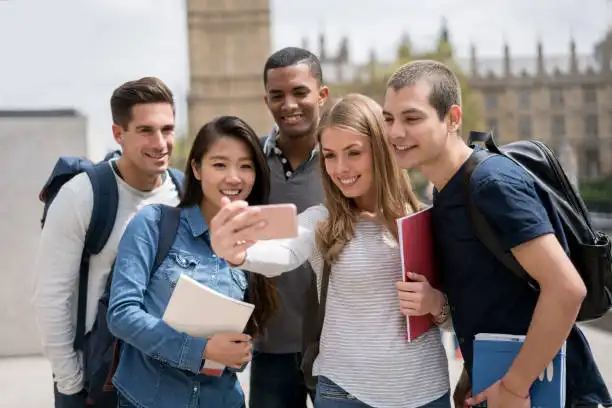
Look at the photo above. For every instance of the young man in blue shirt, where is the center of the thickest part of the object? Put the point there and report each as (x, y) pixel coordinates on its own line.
(422, 110)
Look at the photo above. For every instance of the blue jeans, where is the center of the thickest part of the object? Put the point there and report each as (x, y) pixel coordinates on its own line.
(277, 381)
(330, 395)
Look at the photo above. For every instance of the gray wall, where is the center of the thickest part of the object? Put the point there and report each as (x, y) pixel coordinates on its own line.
(29, 147)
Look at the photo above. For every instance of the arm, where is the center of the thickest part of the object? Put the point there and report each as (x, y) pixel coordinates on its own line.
(56, 274)
(272, 258)
(127, 318)
(515, 211)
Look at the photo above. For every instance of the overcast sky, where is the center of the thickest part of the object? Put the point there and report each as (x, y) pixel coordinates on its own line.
(73, 53)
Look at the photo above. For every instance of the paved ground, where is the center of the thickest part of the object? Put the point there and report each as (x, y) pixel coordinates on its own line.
(26, 382)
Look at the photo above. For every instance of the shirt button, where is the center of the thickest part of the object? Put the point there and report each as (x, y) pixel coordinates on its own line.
(195, 389)
(283, 160)
(288, 174)
(214, 256)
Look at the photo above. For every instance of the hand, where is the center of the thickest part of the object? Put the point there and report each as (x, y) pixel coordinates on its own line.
(463, 390)
(230, 349)
(498, 396)
(231, 230)
(418, 297)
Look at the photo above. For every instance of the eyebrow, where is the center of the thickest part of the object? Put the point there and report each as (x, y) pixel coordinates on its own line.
(295, 88)
(149, 127)
(220, 157)
(346, 148)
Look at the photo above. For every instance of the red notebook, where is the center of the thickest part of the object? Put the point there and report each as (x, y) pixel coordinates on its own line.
(416, 243)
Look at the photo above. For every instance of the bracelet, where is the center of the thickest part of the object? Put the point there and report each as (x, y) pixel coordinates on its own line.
(444, 314)
(501, 383)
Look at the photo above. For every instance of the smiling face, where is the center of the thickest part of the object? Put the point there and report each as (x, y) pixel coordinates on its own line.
(227, 169)
(148, 139)
(348, 162)
(414, 129)
(294, 97)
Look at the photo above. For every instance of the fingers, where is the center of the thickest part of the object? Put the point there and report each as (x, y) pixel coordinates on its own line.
(227, 212)
(478, 399)
(416, 277)
(410, 287)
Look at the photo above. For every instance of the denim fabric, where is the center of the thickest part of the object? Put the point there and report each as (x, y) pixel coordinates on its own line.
(159, 366)
(330, 395)
(277, 381)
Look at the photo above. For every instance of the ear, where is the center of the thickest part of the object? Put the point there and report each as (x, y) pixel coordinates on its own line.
(323, 95)
(196, 170)
(454, 118)
(266, 101)
(118, 132)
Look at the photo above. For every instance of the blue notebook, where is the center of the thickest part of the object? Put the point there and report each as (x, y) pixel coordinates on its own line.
(493, 355)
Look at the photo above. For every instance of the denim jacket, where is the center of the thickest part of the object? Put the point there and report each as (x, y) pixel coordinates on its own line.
(159, 366)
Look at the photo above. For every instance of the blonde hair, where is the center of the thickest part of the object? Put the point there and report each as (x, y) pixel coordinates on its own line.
(394, 195)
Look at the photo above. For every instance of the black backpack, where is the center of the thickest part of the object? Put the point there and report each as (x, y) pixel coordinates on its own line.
(589, 250)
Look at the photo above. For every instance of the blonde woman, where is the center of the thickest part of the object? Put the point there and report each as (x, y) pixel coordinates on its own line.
(364, 359)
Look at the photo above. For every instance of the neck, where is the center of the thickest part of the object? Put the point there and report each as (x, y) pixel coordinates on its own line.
(365, 203)
(445, 166)
(297, 149)
(137, 179)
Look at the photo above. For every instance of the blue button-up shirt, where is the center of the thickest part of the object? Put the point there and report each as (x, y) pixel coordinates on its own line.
(159, 366)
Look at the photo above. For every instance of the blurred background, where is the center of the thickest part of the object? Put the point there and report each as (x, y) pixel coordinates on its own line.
(529, 70)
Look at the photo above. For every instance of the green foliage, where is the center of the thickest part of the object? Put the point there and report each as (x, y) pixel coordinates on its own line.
(597, 194)
(180, 152)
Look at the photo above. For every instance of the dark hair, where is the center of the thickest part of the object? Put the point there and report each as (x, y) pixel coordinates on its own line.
(143, 90)
(445, 89)
(290, 56)
(261, 291)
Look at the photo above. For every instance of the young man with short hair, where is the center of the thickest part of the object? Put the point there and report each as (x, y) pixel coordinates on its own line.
(295, 94)
(143, 113)
(422, 110)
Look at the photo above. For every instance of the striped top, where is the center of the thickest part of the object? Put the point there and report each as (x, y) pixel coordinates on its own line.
(363, 347)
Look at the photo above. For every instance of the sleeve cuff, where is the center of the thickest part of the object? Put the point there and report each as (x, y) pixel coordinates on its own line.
(193, 356)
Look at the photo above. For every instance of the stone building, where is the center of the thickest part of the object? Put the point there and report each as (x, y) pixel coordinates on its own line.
(229, 42)
(30, 144)
(563, 100)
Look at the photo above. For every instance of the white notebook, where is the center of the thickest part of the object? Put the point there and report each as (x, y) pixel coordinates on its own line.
(200, 311)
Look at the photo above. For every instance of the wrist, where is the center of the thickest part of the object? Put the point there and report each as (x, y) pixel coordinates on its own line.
(441, 313)
(513, 387)
(438, 304)
(238, 261)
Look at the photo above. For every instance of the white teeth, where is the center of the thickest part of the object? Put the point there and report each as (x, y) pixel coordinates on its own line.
(292, 118)
(156, 156)
(230, 192)
(401, 148)
(348, 181)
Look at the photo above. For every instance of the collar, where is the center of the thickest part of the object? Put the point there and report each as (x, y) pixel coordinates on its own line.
(270, 146)
(195, 220)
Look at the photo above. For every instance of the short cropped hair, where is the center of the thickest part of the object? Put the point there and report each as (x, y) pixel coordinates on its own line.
(290, 56)
(445, 88)
(143, 90)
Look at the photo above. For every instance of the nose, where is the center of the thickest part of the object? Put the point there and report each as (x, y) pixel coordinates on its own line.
(341, 165)
(290, 103)
(232, 176)
(395, 131)
(158, 140)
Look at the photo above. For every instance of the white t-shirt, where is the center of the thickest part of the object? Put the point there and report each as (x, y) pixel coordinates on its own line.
(363, 347)
(57, 268)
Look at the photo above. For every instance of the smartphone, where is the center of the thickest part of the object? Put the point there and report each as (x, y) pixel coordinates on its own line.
(281, 221)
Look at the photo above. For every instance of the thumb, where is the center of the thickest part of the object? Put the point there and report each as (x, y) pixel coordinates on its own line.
(225, 201)
(417, 277)
(478, 399)
(238, 337)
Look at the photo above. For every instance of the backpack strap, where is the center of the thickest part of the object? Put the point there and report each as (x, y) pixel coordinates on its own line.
(103, 214)
(483, 230)
(178, 178)
(168, 226)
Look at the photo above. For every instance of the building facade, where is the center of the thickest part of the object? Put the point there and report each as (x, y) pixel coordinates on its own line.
(30, 144)
(564, 101)
(229, 42)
